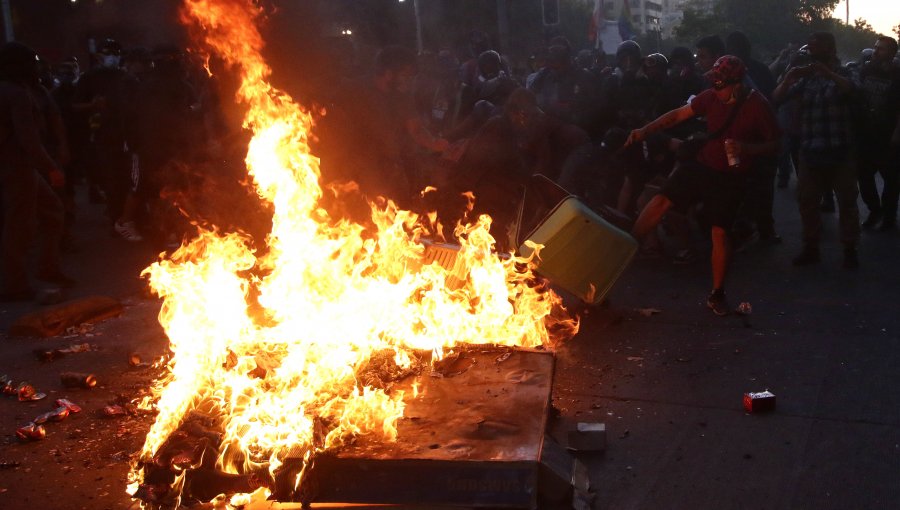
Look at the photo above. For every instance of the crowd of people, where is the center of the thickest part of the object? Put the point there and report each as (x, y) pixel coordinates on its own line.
(121, 130)
(696, 141)
(693, 142)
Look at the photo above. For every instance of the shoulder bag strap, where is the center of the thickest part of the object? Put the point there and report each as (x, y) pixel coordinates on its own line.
(731, 116)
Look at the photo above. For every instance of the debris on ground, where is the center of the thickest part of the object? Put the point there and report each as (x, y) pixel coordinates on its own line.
(58, 414)
(51, 355)
(23, 391)
(56, 320)
(135, 361)
(113, 411)
(760, 402)
(31, 432)
(648, 312)
(78, 380)
(84, 329)
(68, 404)
(588, 437)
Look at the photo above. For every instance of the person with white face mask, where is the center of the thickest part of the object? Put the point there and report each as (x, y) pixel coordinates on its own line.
(104, 94)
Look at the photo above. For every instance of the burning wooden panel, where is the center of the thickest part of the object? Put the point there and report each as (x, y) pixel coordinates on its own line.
(472, 436)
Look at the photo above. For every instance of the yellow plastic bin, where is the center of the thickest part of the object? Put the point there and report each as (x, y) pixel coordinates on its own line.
(582, 253)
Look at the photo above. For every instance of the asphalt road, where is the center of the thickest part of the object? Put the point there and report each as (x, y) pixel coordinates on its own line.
(668, 386)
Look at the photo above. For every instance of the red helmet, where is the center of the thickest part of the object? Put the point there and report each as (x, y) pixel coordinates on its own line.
(728, 70)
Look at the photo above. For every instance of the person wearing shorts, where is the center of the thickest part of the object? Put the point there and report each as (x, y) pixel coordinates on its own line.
(743, 121)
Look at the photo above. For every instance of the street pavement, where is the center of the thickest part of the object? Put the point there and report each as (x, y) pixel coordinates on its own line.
(668, 385)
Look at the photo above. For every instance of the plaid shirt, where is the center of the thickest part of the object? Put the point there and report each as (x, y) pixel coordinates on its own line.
(825, 115)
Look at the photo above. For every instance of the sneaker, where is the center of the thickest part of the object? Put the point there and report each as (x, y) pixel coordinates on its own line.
(128, 231)
(717, 303)
(808, 257)
(873, 219)
(851, 259)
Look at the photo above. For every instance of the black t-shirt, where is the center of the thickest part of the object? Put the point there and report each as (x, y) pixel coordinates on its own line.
(165, 123)
(880, 97)
(118, 89)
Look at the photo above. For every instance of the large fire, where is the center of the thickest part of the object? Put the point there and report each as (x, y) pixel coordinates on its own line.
(325, 296)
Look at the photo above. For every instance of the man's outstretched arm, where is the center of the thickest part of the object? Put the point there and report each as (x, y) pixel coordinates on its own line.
(665, 121)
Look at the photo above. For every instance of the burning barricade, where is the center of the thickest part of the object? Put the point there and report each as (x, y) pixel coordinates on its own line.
(291, 351)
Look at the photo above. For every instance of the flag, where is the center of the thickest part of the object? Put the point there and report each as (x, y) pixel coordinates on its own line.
(626, 30)
(596, 21)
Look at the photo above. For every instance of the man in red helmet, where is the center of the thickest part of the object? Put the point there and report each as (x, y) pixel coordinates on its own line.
(736, 117)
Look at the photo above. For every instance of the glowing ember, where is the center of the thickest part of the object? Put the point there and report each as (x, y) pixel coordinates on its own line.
(282, 373)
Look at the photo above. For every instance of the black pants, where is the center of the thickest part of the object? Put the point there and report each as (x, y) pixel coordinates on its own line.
(886, 162)
(760, 198)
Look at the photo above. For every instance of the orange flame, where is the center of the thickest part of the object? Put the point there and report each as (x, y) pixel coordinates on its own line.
(328, 296)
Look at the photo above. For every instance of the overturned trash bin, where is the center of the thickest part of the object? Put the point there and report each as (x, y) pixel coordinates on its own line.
(582, 252)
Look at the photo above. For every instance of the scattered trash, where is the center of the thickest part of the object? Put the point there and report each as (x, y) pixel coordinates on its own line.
(744, 310)
(78, 380)
(24, 391)
(647, 312)
(760, 402)
(68, 404)
(59, 414)
(635, 358)
(9, 464)
(45, 355)
(113, 411)
(31, 432)
(588, 437)
(84, 329)
(66, 318)
(135, 361)
(27, 393)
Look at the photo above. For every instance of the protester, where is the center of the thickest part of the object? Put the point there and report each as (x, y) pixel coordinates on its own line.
(823, 91)
(758, 217)
(27, 197)
(106, 94)
(484, 99)
(563, 89)
(167, 130)
(390, 141)
(709, 49)
(75, 123)
(879, 135)
(746, 130)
